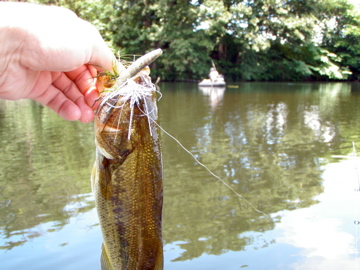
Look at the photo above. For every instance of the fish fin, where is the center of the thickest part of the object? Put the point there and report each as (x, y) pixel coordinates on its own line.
(104, 260)
(92, 178)
(159, 264)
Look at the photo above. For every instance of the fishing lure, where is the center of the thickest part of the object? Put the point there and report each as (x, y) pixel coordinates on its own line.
(120, 85)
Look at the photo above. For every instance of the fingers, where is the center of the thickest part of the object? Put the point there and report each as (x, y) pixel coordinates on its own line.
(71, 111)
(84, 79)
(79, 87)
(62, 95)
(66, 109)
(58, 102)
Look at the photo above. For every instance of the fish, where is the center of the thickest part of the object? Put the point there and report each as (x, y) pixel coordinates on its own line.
(127, 178)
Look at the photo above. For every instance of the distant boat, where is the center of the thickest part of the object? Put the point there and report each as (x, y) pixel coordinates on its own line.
(215, 78)
(218, 82)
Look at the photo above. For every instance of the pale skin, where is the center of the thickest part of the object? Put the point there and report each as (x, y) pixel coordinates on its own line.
(50, 55)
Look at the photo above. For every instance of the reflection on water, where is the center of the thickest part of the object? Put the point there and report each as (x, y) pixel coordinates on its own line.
(44, 171)
(273, 143)
(215, 94)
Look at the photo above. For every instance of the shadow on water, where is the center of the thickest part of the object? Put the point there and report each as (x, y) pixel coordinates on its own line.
(268, 141)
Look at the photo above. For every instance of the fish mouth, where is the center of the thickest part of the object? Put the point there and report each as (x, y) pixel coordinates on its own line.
(133, 84)
(135, 98)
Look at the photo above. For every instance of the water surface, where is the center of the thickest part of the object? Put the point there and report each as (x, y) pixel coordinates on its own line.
(287, 149)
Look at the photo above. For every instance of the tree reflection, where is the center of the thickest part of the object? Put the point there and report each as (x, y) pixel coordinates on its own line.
(45, 168)
(268, 145)
(267, 141)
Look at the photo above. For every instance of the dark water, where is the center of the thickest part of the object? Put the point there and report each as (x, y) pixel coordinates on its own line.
(285, 148)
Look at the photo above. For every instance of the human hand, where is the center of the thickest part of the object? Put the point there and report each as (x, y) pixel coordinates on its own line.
(50, 55)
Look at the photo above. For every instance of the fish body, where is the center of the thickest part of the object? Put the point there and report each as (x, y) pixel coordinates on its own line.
(127, 178)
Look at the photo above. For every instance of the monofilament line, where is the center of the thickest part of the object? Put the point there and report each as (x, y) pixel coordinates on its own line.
(209, 171)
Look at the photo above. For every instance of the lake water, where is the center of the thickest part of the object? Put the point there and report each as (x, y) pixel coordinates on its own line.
(287, 150)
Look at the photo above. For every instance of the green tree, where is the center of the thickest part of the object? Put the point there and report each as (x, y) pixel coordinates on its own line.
(138, 26)
(247, 39)
(341, 34)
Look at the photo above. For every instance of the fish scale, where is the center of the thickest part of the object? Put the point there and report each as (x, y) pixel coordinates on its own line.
(127, 184)
(128, 193)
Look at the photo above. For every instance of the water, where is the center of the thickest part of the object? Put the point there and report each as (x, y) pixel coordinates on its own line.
(286, 148)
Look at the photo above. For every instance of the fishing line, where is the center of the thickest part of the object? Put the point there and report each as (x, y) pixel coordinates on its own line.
(143, 93)
(209, 171)
(147, 113)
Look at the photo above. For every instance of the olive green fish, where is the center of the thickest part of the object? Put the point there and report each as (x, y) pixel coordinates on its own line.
(127, 175)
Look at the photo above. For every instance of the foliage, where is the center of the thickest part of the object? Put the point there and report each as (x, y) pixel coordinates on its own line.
(343, 39)
(247, 39)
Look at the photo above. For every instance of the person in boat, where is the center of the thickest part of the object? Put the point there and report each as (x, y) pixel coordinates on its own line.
(214, 74)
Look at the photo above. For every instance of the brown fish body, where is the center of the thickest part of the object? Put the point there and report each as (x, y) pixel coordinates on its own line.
(127, 183)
